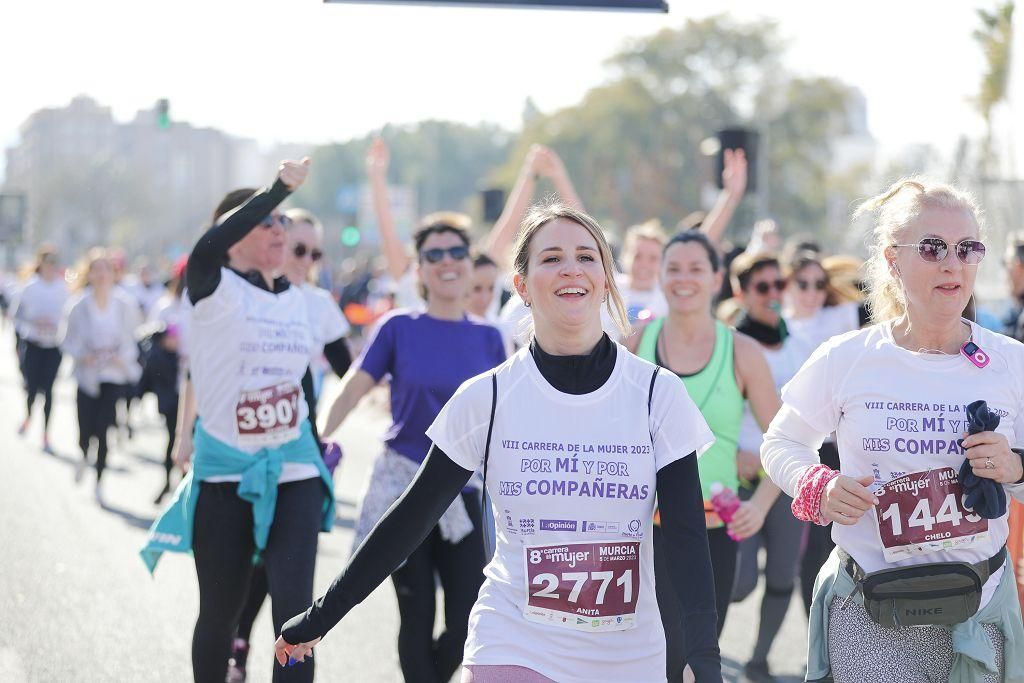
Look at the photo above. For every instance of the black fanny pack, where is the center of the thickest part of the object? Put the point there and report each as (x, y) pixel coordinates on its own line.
(923, 594)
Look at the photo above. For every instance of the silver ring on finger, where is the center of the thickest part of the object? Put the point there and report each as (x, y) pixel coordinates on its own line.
(989, 465)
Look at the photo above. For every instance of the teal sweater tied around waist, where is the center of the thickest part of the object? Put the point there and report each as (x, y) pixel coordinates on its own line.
(172, 532)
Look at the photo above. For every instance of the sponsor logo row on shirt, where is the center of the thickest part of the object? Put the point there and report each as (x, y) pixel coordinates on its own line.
(528, 526)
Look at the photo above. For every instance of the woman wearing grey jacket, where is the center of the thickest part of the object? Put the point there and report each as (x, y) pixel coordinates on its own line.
(99, 336)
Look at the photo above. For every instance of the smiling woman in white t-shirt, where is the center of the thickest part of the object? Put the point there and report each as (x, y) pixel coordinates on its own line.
(896, 394)
(575, 437)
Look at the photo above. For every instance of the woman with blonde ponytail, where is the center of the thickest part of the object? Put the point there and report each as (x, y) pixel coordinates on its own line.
(911, 516)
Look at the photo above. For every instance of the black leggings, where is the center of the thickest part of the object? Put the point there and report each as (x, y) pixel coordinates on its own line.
(171, 420)
(95, 416)
(223, 548)
(40, 366)
(459, 567)
(724, 552)
(818, 540)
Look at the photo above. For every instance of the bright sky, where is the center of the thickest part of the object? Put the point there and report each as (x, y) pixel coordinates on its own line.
(300, 70)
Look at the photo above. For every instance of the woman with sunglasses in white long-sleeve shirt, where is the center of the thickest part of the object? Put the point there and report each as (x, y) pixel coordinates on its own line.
(887, 604)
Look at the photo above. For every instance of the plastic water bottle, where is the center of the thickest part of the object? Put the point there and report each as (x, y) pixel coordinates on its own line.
(726, 503)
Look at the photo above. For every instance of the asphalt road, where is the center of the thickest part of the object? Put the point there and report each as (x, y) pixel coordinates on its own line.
(77, 604)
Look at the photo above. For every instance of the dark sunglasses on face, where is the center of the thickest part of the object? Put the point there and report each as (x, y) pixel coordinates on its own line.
(764, 288)
(935, 249)
(301, 250)
(437, 255)
(804, 285)
(280, 219)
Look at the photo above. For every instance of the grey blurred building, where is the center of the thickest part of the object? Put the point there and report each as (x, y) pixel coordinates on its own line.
(149, 184)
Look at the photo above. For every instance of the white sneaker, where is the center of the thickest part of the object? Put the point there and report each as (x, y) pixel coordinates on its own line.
(98, 494)
(80, 470)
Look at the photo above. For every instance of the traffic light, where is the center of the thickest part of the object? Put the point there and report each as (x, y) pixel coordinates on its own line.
(350, 236)
(163, 114)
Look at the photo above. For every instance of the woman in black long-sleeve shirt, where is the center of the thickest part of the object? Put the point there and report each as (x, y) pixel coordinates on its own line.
(579, 435)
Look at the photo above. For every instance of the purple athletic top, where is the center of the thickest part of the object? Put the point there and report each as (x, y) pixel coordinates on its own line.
(428, 359)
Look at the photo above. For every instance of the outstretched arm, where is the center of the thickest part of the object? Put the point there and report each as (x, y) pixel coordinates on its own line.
(398, 533)
(734, 184)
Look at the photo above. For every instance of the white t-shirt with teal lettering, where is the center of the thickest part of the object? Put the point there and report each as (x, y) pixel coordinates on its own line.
(569, 592)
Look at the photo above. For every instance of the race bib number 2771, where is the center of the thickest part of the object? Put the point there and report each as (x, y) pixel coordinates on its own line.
(589, 586)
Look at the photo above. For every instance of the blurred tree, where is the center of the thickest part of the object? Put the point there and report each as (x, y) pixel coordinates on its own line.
(995, 37)
(633, 145)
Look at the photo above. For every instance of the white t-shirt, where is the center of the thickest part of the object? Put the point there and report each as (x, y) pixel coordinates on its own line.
(175, 312)
(784, 363)
(249, 351)
(897, 412)
(828, 322)
(639, 300)
(325, 317)
(39, 309)
(571, 480)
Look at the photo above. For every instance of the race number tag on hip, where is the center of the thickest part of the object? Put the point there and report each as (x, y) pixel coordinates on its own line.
(923, 512)
(268, 415)
(583, 586)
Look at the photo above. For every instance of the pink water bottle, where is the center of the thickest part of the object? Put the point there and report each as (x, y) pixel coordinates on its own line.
(726, 503)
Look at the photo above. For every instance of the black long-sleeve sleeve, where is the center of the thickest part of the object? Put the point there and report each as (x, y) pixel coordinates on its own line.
(396, 535)
(338, 355)
(688, 562)
(208, 256)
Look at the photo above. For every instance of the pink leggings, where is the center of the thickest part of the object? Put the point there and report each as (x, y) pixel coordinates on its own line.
(474, 673)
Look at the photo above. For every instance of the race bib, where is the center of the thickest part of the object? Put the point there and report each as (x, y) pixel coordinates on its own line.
(269, 415)
(923, 512)
(590, 586)
(45, 330)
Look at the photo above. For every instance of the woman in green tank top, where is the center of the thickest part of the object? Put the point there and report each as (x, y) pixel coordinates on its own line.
(721, 369)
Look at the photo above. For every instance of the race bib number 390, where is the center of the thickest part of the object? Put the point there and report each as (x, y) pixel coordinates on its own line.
(268, 415)
(923, 512)
(583, 586)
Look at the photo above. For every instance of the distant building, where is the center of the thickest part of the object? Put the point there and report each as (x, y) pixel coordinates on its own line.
(89, 179)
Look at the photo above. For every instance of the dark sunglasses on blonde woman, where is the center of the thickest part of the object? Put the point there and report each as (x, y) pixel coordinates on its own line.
(301, 250)
(763, 288)
(437, 255)
(818, 285)
(935, 249)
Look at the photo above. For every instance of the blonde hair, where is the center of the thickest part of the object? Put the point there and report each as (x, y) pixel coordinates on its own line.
(304, 216)
(650, 230)
(537, 218)
(455, 219)
(79, 279)
(894, 210)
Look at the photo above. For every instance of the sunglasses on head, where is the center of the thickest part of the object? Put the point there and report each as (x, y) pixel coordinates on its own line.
(436, 255)
(935, 249)
(301, 250)
(763, 288)
(280, 219)
(818, 285)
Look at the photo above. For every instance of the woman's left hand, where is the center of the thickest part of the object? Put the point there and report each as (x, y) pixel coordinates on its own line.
(288, 654)
(991, 457)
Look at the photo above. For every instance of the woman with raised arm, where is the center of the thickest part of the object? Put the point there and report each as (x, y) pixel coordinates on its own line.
(258, 488)
(575, 437)
(919, 585)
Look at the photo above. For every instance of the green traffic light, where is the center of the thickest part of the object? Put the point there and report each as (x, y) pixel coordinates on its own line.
(350, 236)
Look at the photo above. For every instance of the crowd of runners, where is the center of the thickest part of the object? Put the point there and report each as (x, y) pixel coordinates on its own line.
(592, 440)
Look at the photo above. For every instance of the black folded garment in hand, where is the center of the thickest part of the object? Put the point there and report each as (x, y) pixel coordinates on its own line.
(985, 496)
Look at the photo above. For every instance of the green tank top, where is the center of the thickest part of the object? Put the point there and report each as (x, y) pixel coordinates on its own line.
(718, 398)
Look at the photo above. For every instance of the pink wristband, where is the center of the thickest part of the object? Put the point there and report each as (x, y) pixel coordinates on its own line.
(809, 489)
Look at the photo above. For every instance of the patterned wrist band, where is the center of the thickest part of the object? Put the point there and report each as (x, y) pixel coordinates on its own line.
(809, 488)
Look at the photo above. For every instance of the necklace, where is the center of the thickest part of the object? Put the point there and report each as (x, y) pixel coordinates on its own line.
(940, 352)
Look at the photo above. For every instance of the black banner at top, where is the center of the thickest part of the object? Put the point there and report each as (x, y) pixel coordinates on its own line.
(616, 5)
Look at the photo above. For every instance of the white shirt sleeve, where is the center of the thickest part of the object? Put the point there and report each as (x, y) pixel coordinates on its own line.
(333, 325)
(460, 429)
(812, 393)
(790, 446)
(677, 425)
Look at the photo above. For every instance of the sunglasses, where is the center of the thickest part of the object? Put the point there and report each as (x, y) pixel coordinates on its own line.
(764, 288)
(301, 250)
(934, 250)
(804, 285)
(437, 255)
(280, 219)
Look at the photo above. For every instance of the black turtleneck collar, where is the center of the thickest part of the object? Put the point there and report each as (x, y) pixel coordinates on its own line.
(577, 374)
(765, 334)
(255, 278)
